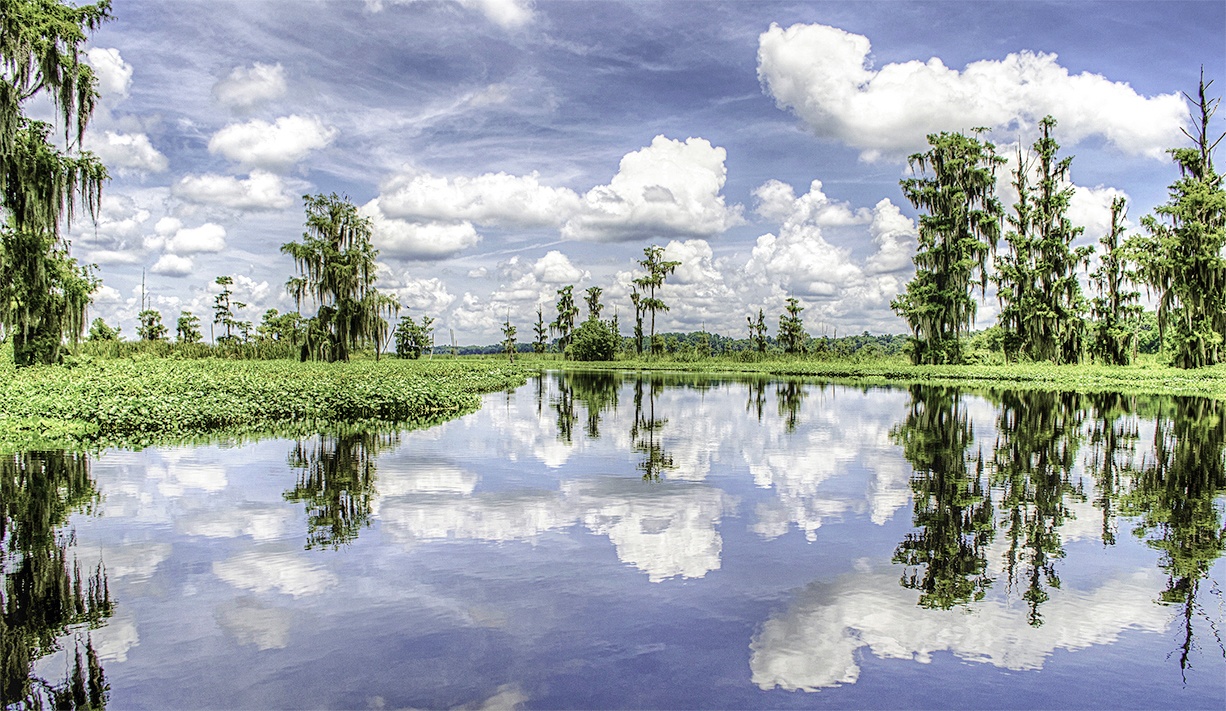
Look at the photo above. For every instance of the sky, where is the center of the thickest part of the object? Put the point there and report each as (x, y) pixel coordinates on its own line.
(504, 149)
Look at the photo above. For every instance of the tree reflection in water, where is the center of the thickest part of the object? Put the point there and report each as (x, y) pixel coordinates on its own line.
(1037, 441)
(1114, 433)
(45, 596)
(790, 395)
(336, 481)
(645, 432)
(1175, 495)
(597, 391)
(946, 557)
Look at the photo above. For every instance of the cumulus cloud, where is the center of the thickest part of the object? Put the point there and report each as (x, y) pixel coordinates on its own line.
(507, 14)
(428, 297)
(668, 189)
(172, 265)
(248, 87)
(209, 237)
(556, 268)
(271, 146)
(417, 240)
(824, 75)
(488, 199)
(260, 191)
(127, 152)
(114, 74)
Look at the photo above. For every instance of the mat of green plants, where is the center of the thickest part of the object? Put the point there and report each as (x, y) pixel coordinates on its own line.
(142, 401)
(1147, 377)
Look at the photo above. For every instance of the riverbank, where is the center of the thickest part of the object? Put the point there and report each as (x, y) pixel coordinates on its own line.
(1144, 378)
(137, 402)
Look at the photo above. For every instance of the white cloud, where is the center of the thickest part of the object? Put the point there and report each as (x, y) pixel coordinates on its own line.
(272, 146)
(172, 265)
(114, 74)
(209, 237)
(248, 87)
(507, 14)
(487, 199)
(260, 191)
(428, 297)
(824, 75)
(127, 152)
(668, 189)
(413, 240)
(555, 268)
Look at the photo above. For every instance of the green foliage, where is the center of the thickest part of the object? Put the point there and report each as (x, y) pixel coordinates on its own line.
(657, 269)
(187, 328)
(151, 327)
(1117, 309)
(594, 340)
(792, 334)
(413, 339)
(100, 331)
(43, 291)
(1042, 308)
(336, 266)
(956, 235)
(1181, 257)
(147, 400)
(224, 310)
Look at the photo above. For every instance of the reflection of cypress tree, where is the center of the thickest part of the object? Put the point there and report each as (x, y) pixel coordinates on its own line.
(1036, 447)
(757, 397)
(44, 595)
(945, 557)
(597, 392)
(564, 406)
(337, 483)
(643, 433)
(790, 395)
(1113, 437)
(1175, 497)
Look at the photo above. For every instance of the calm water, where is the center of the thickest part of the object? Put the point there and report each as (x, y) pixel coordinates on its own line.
(600, 541)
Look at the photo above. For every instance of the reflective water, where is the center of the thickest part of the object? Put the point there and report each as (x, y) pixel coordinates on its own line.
(607, 541)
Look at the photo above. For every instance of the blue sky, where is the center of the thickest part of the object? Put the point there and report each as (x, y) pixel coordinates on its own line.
(506, 148)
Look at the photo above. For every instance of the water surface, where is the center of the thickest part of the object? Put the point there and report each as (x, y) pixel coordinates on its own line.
(609, 541)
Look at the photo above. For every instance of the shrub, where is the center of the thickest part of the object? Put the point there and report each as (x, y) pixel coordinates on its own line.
(593, 340)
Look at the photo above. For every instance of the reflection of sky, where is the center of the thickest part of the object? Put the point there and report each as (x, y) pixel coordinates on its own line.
(505, 567)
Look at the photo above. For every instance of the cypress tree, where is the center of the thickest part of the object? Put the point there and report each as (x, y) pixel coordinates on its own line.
(961, 227)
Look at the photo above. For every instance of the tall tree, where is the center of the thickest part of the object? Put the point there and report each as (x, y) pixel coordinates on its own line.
(1117, 309)
(508, 335)
(593, 302)
(565, 323)
(1182, 256)
(956, 236)
(657, 269)
(542, 331)
(336, 265)
(1042, 307)
(757, 330)
(43, 291)
(792, 328)
(224, 310)
(637, 299)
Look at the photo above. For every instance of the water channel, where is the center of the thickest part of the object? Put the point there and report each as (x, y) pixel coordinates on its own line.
(604, 540)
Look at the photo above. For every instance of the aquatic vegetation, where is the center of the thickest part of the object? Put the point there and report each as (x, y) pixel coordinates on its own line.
(141, 401)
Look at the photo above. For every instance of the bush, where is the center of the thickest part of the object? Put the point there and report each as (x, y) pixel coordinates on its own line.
(593, 340)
